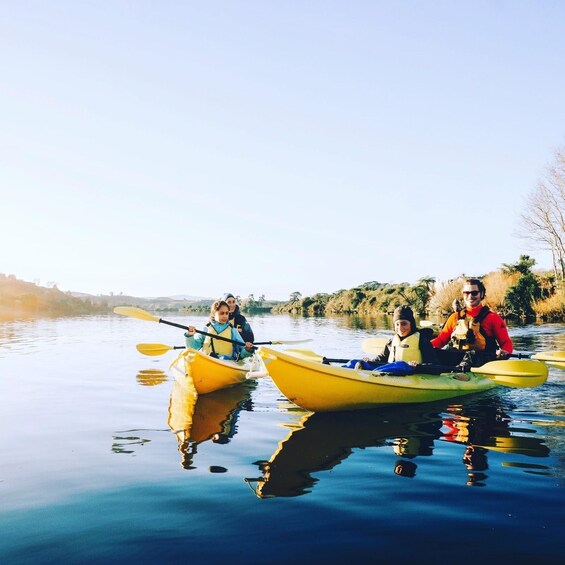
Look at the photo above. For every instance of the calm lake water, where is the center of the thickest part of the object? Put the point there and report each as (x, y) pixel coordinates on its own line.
(104, 458)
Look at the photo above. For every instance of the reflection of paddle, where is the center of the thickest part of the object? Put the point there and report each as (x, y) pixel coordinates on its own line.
(151, 377)
(140, 314)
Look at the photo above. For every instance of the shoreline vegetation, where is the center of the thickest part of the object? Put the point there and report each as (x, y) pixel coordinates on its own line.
(515, 291)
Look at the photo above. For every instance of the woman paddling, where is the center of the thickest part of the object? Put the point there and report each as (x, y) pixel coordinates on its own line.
(219, 325)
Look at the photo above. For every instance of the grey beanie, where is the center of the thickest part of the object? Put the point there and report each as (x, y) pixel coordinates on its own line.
(405, 313)
(227, 295)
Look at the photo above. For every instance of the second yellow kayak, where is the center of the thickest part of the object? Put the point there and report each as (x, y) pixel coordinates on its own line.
(207, 374)
(321, 388)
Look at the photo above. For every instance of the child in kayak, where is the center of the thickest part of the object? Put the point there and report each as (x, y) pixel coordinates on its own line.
(219, 325)
(408, 344)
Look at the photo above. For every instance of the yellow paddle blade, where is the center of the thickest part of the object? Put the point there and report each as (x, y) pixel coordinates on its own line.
(305, 354)
(374, 345)
(521, 373)
(153, 348)
(428, 324)
(134, 312)
(555, 358)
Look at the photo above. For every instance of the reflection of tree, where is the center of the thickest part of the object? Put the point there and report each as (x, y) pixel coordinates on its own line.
(195, 419)
(125, 442)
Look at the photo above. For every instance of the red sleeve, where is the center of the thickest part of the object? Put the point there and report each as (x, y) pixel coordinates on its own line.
(499, 331)
(442, 338)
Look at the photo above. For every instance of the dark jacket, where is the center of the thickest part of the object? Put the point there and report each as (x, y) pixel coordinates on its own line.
(240, 323)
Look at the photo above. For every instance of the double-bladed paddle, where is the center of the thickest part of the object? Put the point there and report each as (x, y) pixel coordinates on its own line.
(375, 345)
(517, 374)
(308, 355)
(140, 314)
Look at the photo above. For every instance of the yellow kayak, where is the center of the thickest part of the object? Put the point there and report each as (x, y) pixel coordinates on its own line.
(207, 374)
(305, 380)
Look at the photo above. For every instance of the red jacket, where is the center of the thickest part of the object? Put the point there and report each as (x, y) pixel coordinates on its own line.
(493, 326)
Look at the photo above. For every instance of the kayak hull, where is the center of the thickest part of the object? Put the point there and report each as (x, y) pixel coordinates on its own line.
(208, 374)
(322, 388)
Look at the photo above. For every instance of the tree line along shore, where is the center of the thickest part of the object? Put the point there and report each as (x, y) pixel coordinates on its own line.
(515, 291)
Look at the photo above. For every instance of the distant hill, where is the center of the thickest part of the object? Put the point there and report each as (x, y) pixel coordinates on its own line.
(162, 303)
(190, 298)
(120, 297)
(21, 298)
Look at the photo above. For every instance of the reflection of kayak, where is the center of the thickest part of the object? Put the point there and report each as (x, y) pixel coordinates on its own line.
(195, 419)
(322, 441)
(318, 387)
(209, 373)
(200, 418)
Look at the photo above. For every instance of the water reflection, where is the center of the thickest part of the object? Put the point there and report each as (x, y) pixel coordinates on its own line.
(126, 441)
(323, 440)
(151, 377)
(485, 427)
(195, 419)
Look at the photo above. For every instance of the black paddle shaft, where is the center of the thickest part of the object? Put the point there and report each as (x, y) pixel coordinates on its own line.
(327, 360)
(213, 336)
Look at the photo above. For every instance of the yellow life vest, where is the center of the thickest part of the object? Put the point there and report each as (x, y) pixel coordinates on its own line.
(221, 347)
(467, 335)
(407, 349)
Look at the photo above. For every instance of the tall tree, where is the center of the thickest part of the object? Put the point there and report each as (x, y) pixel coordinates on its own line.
(295, 296)
(543, 222)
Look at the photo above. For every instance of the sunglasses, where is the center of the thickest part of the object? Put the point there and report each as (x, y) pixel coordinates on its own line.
(471, 293)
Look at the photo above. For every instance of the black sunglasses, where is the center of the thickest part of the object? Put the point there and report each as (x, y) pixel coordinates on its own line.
(471, 292)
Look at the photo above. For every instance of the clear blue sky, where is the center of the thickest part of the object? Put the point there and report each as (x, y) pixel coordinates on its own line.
(183, 147)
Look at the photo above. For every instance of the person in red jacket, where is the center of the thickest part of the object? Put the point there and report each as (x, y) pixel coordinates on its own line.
(475, 329)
